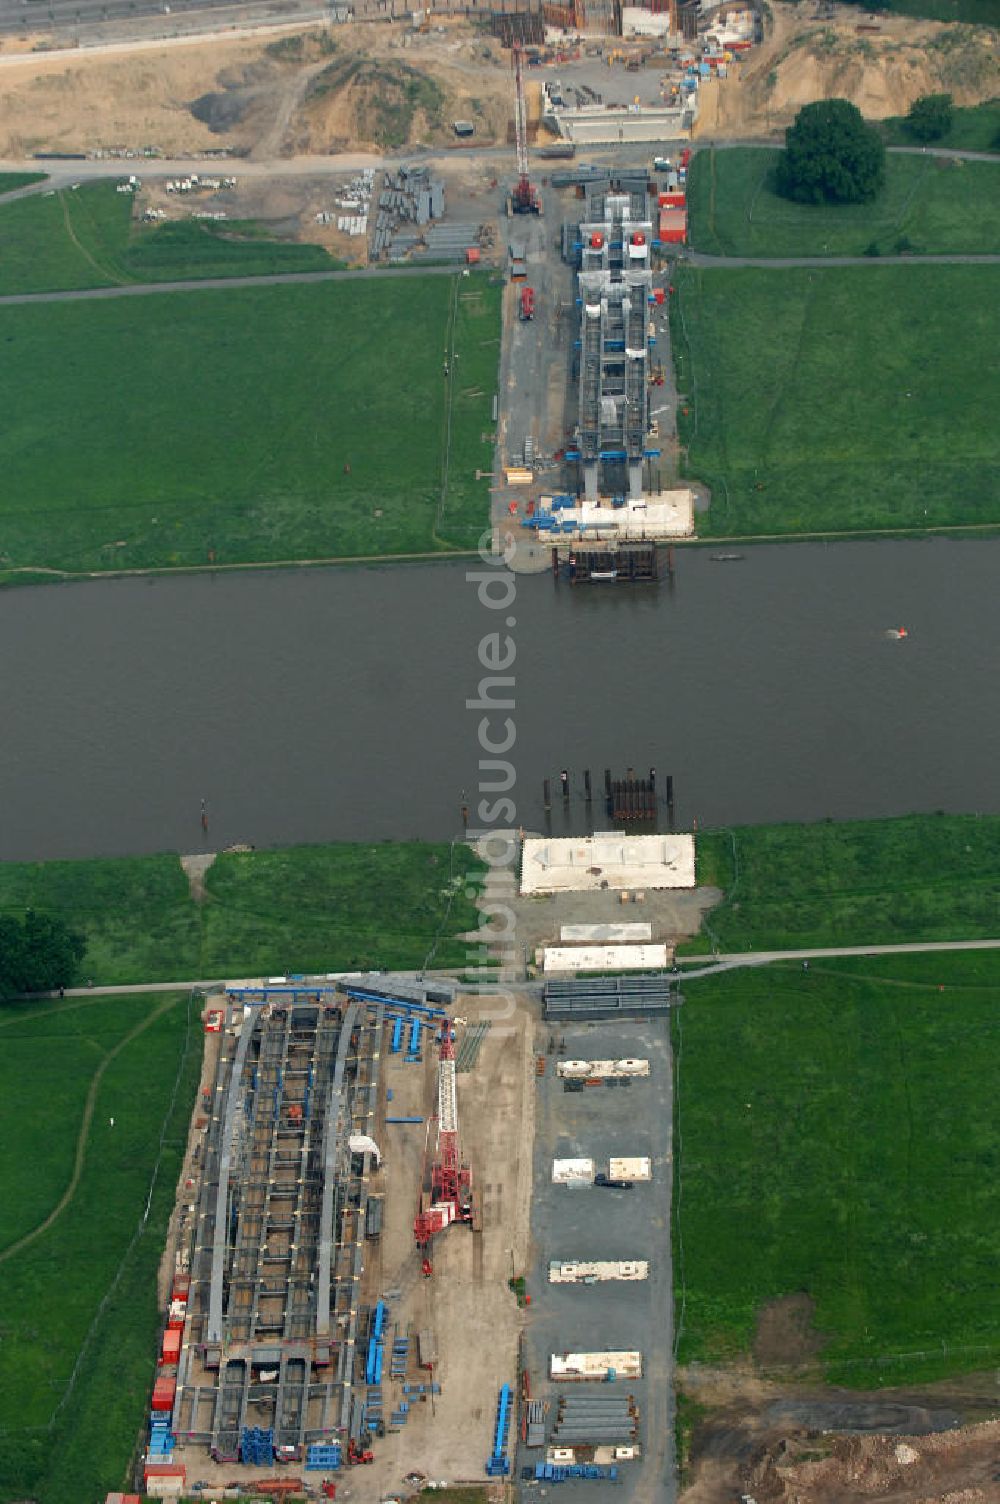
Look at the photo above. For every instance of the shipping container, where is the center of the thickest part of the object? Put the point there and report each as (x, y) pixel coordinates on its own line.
(163, 1393)
(170, 1351)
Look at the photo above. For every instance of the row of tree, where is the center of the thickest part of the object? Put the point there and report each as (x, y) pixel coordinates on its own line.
(832, 157)
(38, 953)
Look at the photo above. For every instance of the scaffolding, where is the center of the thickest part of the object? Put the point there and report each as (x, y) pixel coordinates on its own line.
(612, 248)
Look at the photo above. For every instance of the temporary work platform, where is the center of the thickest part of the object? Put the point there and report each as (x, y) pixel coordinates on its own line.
(606, 860)
(595, 1365)
(574, 1272)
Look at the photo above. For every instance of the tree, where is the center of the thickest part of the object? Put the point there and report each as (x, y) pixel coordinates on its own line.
(39, 954)
(831, 156)
(930, 117)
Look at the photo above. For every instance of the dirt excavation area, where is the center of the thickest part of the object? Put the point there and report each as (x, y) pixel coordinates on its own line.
(783, 1443)
(881, 63)
(312, 92)
(381, 87)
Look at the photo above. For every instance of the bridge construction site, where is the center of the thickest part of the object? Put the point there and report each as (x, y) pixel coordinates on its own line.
(321, 1300)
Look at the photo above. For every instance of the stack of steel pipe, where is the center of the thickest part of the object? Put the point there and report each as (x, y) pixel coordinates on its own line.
(594, 1418)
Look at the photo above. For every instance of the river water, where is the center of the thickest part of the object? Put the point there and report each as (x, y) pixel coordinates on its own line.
(330, 704)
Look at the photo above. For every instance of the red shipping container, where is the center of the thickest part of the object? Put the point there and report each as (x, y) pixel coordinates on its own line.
(178, 1311)
(171, 1351)
(182, 1284)
(673, 226)
(164, 1470)
(673, 200)
(472, 255)
(163, 1394)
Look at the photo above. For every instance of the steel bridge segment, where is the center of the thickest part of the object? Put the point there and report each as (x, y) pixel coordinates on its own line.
(220, 1240)
(331, 1138)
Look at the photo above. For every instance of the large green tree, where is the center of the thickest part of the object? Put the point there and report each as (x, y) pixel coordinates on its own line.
(831, 156)
(930, 117)
(37, 954)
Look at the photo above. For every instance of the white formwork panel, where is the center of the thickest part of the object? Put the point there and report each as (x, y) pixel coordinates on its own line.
(571, 1171)
(636, 1168)
(597, 1271)
(601, 934)
(595, 1365)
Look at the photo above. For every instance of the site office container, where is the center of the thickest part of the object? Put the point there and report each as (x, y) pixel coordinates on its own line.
(673, 199)
(177, 1313)
(181, 1287)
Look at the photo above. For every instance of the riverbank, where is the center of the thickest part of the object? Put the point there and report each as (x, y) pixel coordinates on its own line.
(839, 398)
(275, 424)
(844, 1115)
(306, 908)
(923, 877)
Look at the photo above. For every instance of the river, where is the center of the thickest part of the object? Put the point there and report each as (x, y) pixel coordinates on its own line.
(330, 704)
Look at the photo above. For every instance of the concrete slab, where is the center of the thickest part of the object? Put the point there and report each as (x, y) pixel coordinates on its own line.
(571, 959)
(586, 864)
(603, 934)
(604, 1225)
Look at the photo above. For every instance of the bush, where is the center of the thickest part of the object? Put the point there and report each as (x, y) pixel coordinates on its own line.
(930, 117)
(831, 156)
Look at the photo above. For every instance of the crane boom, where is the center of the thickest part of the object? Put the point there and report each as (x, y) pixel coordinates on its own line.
(525, 198)
(520, 118)
(451, 1182)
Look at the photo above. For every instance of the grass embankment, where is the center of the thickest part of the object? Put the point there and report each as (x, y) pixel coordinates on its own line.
(841, 399)
(10, 181)
(305, 908)
(61, 241)
(857, 882)
(838, 1136)
(81, 1315)
(972, 12)
(929, 206)
(251, 425)
(973, 127)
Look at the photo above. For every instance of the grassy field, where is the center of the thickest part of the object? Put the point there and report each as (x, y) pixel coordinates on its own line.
(252, 425)
(9, 181)
(304, 908)
(838, 1136)
(857, 398)
(972, 12)
(973, 128)
(86, 1284)
(59, 241)
(925, 877)
(930, 205)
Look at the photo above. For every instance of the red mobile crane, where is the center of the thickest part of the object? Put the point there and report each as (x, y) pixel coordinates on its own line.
(525, 199)
(451, 1181)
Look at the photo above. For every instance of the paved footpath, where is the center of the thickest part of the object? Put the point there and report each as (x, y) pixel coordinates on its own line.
(707, 966)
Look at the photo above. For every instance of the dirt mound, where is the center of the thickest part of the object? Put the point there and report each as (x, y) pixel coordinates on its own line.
(959, 1465)
(303, 92)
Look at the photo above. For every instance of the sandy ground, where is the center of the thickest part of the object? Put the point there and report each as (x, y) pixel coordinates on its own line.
(466, 1302)
(261, 95)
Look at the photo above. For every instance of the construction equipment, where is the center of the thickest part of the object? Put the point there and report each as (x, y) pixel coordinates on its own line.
(451, 1182)
(356, 1456)
(525, 198)
(527, 304)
